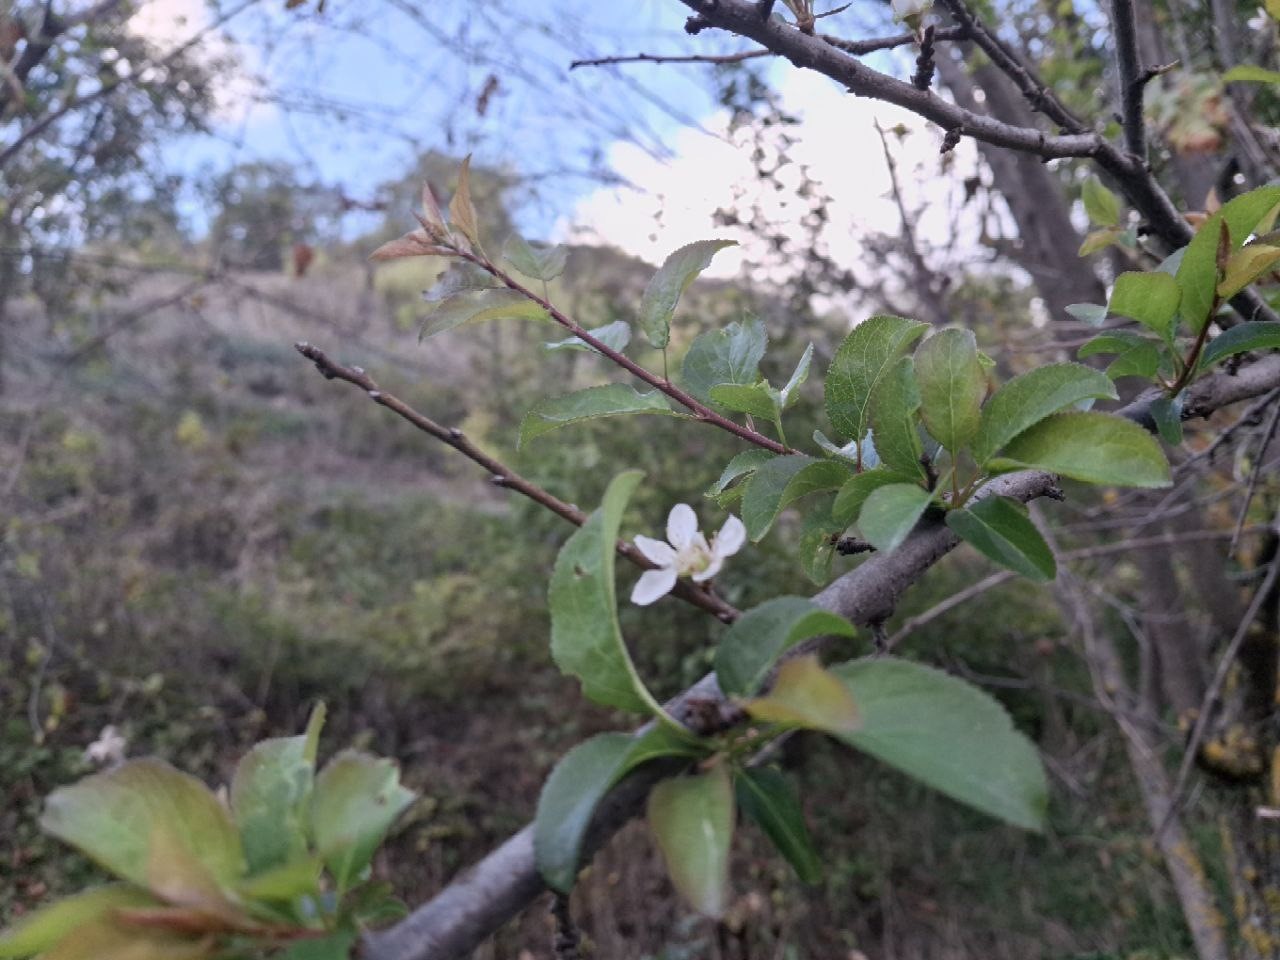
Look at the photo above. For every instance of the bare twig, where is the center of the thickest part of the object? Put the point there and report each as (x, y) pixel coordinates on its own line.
(1129, 80)
(503, 476)
(1253, 478)
(722, 58)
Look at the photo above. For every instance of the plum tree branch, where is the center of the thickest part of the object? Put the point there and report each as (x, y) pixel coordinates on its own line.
(503, 476)
(488, 894)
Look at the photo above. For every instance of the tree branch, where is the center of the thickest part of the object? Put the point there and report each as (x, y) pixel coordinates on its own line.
(503, 476)
(1129, 80)
(484, 897)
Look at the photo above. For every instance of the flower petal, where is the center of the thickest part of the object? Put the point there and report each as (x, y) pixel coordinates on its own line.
(730, 538)
(710, 570)
(656, 551)
(652, 585)
(682, 525)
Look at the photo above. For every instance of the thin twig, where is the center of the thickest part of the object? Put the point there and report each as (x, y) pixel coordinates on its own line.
(1215, 688)
(672, 58)
(1253, 479)
(503, 476)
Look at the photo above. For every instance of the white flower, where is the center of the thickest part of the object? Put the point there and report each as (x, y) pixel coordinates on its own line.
(1260, 21)
(686, 555)
(108, 749)
(910, 11)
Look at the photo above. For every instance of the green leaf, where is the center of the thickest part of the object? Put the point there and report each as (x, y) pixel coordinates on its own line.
(478, 306)
(614, 335)
(894, 403)
(1101, 205)
(755, 641)
(731, 355)
(357, 797)
(336, 946)
(107, 939)
(586, 641)
(791, 392)
(854, 493)
(1248, 73)
(1247, 265)
(539, 261)
(952, 386)
(610, 400)
(1150, 298)
(672, 279)
(692, 820)
(742, 465)
(578, 784)
(1092, 314)
(1093, 447)
(1260, 335)
(758, 399)
(808, 696)
(1136, 355)
(949, 735)
(1029, 398)
(1000, 530)
(286, 882)
(782, 481)
(462, 213)
(815, 546)
(112, 818)
(1198, 272)
(768, 798)
(40, 931)
(891, 512)
(865, 356)
(849, 452)
(1097, 240)
(1167, 414)
(269, 795)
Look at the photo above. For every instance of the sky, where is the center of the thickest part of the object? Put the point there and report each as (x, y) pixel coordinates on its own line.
(352, 96)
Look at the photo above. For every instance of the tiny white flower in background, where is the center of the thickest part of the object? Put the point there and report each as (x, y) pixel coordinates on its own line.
(686, 554)
(108, 749)
(1259, 21)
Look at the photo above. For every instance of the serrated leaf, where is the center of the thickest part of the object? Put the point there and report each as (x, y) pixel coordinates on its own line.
(768, 798)
(1093, 447)
(575, 788)
(1248, 73)
(742, 465)
(1150, 298)
(1247, 265)
(895, 401)
(1001, 530)
(479, 306)
(783, 480)
(356, 799)
(692, 821)
(1101, 205)
(269, 796)
(1198, 271)
(415, 243)
(1136, 355)
(667, 285)
(815, 545)
(540, 261)
(808, 696)
(952, 386)
(757, 399)
(462, 213)
(791, 392)
(39, 932)
(1093, 314)
(755, 641)
(592, 403)
(947, 734)
(891, 512)
(854, 493)
(730, 355)
(1030, 397)
(432, 217)
(614, 335)
(1099, 240)
(1260, 335)
(111, 818)
(586, 641)
(865, 356)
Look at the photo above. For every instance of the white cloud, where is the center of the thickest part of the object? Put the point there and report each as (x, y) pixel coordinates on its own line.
(836, 140)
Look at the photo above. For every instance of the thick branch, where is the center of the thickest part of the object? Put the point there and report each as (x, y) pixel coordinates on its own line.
(503, 476)
(1129, 80)
(494, 890)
